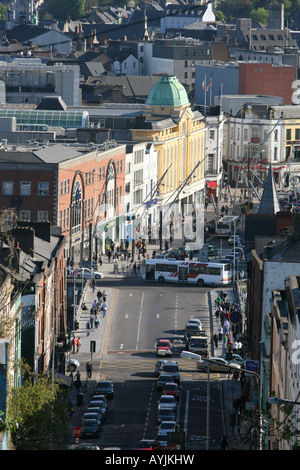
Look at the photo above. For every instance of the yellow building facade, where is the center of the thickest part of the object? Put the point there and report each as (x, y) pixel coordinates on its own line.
(179, 136)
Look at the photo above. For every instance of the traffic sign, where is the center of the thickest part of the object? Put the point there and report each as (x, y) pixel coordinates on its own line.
(235, 317)
(77, 431)
(251, 365)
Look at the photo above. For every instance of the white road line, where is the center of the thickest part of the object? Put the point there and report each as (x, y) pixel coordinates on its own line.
(139, 325)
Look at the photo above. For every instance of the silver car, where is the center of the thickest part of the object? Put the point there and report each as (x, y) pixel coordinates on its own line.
(167, 401)
(217, 364)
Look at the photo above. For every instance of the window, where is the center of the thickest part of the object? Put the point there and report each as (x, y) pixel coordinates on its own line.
(121, 164)
(276, 135)
(288, 134)
(275, 153)
(25, 188)
(138, 177)
(211, 134)
(7, 188)
(166, 268)
(263, 37)
(25, 215)
(43, 188)
(297, 134)
(99, 173)
(186, 63)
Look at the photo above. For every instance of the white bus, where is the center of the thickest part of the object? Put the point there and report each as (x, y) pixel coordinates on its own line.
(225, 225)
(191, 272)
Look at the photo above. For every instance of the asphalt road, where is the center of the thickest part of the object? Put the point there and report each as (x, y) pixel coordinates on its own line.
(144, 312)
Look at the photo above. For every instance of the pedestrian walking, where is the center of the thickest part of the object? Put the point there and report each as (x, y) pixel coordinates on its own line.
(92, 320)
(96, 320)
(89, 369)
(74, 344)
(224, 443)
(78, 344)
(93, 284)
(78, 385)
(104, 308)
(220, 332)
(216, 338)
(99, 294)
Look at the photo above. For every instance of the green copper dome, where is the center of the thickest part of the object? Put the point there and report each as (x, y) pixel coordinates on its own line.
(168, 92)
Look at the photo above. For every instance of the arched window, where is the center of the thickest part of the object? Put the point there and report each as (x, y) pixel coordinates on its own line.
(76, 207)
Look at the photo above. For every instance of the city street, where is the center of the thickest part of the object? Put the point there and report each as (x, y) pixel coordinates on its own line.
(139, 314)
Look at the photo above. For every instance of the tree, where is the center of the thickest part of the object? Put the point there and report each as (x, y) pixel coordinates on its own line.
(64, 9)
(39, 413)
(260, 15)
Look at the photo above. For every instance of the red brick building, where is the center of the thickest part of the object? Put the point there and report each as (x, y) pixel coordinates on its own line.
(266, 79)
(74, 188)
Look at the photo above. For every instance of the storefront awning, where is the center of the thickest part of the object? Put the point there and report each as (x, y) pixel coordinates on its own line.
(212, 184)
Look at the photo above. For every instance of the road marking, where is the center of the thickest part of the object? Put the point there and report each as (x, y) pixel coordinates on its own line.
(109, 323)
(139, 325)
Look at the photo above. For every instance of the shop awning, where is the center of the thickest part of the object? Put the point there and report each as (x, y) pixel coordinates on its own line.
(212, 184)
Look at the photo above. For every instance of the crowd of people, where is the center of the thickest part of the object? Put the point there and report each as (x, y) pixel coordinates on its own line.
(98, 310)
(227, 332)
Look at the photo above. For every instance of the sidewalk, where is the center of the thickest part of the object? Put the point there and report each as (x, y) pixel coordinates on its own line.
(231, 390)
(100, 338)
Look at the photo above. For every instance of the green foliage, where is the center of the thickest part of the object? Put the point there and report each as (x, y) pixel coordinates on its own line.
(258, 10)
(63, 9)
(39, 413)
(3, 11)
(260, 15)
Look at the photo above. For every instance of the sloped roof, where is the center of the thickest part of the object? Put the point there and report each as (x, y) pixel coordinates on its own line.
(269, 201)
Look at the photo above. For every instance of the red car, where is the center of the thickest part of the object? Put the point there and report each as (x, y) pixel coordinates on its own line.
(163, 347)
(171, 389)
(147, 444)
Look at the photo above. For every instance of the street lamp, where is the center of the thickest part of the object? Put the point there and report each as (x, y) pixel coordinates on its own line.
(282, 401)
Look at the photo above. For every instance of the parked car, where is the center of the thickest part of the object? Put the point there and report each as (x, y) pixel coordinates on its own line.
(163, 347)
(83, 446)
(162, 439)
(90, 415)
(165, 414)
(86, 273)
(147, 444)
(171, 368)
(91, 428)
(100, 410)
(167, 401)
(171, 389)
(234, 239)
(163, 379)
(105, 387)
(217, 364)
(166, 426)
(158, 366)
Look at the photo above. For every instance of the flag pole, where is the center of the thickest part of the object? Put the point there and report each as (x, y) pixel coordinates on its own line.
(205, 95)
